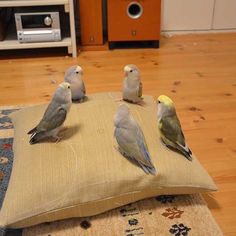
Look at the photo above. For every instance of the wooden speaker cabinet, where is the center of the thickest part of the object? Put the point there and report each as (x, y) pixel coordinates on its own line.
(91, 22)
(137, 20)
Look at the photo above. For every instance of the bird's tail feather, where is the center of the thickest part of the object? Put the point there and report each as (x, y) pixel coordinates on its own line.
(32, 131)
(36, 137)
(149, 170)
(185, 150)
(187, 154)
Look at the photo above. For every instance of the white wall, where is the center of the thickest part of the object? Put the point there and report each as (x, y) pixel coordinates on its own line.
(198, 15)
(225, 14)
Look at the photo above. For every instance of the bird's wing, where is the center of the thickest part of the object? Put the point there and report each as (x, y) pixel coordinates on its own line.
(52, 119)
(83, 88)
(67, 76)
(66, 79)
(146, 160)
(69, 73)
(132, 143)
(171, 129)
(140, 91)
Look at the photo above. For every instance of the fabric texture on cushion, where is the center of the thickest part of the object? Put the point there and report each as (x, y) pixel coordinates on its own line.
(84, 174)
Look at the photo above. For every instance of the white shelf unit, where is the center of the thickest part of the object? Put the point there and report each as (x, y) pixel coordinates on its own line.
(11, 41)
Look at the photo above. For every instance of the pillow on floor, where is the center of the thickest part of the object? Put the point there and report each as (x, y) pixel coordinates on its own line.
(84, 174)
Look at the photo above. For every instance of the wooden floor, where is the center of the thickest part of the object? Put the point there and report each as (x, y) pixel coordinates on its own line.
(197, 71)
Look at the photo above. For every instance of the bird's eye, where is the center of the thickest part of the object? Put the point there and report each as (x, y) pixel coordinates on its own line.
(159, 102)
(131, 71)
(68, 86)
(77, 72)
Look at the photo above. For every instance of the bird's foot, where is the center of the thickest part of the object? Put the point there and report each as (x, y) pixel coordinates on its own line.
(118, 99)
(119, 150)
(129, 101)
(57, 139)
(164, 144)
(116, 148)
(80, 100)
(63, 129)
(141, 103)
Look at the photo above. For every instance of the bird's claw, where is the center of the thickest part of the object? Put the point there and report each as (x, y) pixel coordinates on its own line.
(80, 100)
(116, 148)
(118, 99)
(57, 139)
(141, 103)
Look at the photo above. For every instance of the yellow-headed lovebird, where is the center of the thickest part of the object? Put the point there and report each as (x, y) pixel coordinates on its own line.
(170, 128)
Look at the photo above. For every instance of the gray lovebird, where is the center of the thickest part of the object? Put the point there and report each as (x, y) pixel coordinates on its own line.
(54, 116)
(131, 141)
(132, 86)
(73, 76)
(170, 129)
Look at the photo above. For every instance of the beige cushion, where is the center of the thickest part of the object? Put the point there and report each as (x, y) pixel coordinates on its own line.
(84, 174)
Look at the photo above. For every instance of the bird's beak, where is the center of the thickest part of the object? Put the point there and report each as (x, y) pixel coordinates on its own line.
(126, 73)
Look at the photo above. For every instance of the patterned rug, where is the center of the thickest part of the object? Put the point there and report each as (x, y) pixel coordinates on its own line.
(163, 215)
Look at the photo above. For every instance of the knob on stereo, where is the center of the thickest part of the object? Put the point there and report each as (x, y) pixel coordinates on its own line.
(48, 21)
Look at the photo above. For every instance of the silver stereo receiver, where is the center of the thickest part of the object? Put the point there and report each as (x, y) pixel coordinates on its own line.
(38, 27)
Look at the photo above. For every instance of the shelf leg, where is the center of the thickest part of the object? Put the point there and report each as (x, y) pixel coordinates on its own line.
(69, 49)
(72, 28)
(66, 8)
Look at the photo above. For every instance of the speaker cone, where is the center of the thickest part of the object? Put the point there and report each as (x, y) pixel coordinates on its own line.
(134, 10)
